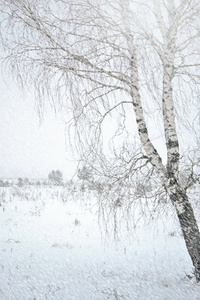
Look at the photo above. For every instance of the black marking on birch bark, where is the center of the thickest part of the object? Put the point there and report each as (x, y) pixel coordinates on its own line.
(155, 152)
(138, 120)
(135, 87)
(142, 130)
(169, 125)
(171, 171)
(176, 195)
(172, 181)
(189, 227)
(174, 157)
(172, 144)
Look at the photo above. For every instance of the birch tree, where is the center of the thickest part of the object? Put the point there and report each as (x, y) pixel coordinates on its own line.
(134, 63)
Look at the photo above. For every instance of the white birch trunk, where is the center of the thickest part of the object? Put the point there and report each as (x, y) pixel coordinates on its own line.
(188, 224)
(168, 175)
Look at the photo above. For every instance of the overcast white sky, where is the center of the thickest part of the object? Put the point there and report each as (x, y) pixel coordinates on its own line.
(28, 149)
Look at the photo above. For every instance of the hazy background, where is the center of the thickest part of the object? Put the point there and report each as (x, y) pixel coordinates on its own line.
(28, 148)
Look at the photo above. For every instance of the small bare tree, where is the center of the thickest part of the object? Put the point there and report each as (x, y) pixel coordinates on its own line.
(134, 61)
(55, 177)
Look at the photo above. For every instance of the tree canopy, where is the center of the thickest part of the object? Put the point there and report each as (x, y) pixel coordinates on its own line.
(121, 71)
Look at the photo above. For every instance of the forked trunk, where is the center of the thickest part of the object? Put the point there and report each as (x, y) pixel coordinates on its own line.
(188, 225)
(169, 174)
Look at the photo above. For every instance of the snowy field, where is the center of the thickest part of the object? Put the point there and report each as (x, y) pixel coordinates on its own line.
(51, 247)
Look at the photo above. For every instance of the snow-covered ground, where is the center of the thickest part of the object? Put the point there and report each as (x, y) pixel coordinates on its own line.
(51, 247)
